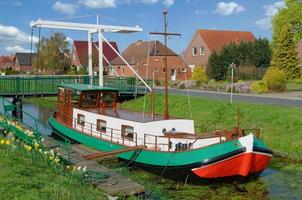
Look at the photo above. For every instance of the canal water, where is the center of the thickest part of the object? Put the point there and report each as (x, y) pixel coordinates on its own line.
(280, 181)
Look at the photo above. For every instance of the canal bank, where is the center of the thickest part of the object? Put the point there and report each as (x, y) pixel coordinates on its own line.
(280, 181)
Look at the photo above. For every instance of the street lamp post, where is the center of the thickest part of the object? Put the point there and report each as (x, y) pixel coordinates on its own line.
(232, 66)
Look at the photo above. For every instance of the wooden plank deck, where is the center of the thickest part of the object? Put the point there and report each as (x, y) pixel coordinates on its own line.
(115, 185)
(111, 153)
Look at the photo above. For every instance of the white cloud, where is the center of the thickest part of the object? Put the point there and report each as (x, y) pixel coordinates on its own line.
(13, 36)
(16, 48)
(168, 3)
(149, 1)
(98, 3)
(64, 8)
(270, 11)
(69, 40)
(224, 8)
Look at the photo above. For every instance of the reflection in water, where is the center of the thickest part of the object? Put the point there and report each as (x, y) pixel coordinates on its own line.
(40, 113)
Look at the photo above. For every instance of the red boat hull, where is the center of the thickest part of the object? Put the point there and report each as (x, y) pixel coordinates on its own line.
(242, 164)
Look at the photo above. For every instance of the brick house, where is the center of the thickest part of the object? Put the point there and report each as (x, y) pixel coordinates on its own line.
(299, 50)
(147, 58)
(79, 55)
(23, 62)
(205, 42)
(6, 62)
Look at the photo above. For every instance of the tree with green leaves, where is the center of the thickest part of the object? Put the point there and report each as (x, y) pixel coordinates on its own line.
(290, 14)
(285, 53)
(51, 55)
(214, 69)
(260, 53)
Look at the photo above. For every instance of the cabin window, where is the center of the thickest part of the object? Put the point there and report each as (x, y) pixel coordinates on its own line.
(61, 95)
(201, 50)
(90, 100)
(194, 51)
(75, 98)
(127, 132)
(101, 125)
(108, 99)
(81, 120)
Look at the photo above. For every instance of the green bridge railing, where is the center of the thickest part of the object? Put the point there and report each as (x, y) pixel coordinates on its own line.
(48, 85)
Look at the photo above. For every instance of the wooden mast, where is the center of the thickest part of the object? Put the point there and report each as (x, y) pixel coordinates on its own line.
(166, 34)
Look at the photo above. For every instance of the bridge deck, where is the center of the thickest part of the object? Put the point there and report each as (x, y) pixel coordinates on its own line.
(48, 85)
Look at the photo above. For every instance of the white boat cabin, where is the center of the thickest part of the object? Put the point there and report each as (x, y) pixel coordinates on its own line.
(93, 110)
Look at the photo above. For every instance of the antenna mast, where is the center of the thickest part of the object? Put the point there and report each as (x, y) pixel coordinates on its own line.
(166, 34)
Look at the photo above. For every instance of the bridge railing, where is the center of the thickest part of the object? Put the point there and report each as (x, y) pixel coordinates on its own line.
(40, 85)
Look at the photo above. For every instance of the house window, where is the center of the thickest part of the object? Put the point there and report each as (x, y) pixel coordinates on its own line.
(81, 120)
(184, 70)
(123, 71)
(164, 69)
(156, 60)
(101, 125)
(201, 50)
(144, 65)
(127, 132)
(194, 51)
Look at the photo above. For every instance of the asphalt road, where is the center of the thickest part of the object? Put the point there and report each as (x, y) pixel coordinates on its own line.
(291, 102)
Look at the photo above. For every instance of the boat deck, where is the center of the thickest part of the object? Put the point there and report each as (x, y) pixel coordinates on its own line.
(125, 114)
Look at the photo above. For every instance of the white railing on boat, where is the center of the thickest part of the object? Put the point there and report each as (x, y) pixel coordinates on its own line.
(152, 142)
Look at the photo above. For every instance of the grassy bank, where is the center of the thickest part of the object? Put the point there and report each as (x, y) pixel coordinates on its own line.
(25, 174)
(280, 126)
(45, 102)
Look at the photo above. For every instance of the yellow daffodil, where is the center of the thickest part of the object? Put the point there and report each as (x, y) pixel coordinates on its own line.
(7, 142)
(2, 142)
(27, 147)
(56, 160)
(36, 146)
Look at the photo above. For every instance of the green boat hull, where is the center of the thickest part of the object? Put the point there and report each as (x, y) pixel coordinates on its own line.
(154, 158)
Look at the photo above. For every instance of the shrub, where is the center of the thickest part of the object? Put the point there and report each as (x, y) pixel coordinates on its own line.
(275, 78)
(259, 87)
(238, 87)
(212, 81)
(157, 82)
(199, 75)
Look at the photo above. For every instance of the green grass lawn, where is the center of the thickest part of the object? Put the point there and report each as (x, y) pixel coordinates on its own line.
(25, 178)
(45, 102)
(281, 127)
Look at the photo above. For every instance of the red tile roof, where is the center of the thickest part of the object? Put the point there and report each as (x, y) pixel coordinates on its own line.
(82, 51)
(6, 61)
(216, 39)
(139, 50)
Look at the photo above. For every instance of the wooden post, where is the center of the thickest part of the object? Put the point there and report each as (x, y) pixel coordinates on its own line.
(166, 34)
(155, 143)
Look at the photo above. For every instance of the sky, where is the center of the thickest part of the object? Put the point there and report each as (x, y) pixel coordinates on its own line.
(184, 16)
